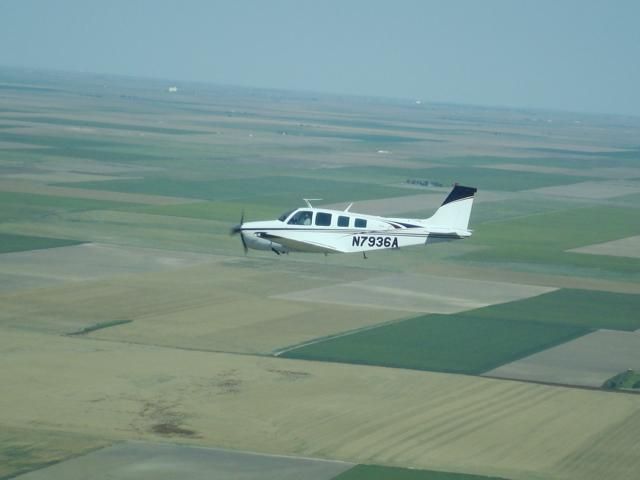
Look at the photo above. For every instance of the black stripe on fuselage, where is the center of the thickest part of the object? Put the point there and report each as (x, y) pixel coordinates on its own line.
(393, 233)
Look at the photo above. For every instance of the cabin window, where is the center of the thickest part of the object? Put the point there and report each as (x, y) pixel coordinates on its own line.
(303, 217)
(323, 219)
(361, 223)
(343, 221)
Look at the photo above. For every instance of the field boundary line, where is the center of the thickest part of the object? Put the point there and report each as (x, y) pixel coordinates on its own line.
(246, 452)
(279, 352)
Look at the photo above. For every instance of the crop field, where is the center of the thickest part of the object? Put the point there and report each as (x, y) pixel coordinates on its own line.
(417, 293)
(359, 414)
(586, 361)
(540, 242)
(477, 340)
(625, 247)
(133, 328)
(444, 343)
(629, 379)
(17, 243)
(271, 190)
(148, 461)
(593, 190)
(91, 261)
(589, 309)
(376, 472)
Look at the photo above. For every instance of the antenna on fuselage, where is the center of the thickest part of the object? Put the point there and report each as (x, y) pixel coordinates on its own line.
(347, 209)
(309, 200)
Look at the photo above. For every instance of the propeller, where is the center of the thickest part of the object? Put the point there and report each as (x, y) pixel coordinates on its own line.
(238, 229)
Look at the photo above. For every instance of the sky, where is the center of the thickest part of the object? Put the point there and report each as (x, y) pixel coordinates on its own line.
(581, 56)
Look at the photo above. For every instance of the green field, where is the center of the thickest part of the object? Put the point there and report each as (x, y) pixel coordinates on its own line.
(512, 209)
(625, 380)
(580, 308)
(540, 242)
(221, 211)
(493, 179)
(276, 191)
(18, 243)
(104, 125)
(579, 159)
(479, 340)
(130, 228)
(446, 343)
(27, 206)
(376, 472)
(482, 178)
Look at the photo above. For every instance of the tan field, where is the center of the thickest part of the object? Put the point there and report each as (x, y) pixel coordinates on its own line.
(587, 361)
(625, 247)
(153, 461)
(358, 414)
(176, 299)
(91, 261)
(418, 293)
(246, 325)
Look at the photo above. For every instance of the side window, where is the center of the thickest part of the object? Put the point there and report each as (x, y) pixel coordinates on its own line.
(301, 218)
(343, 221)
(361, 223)
(323, 219)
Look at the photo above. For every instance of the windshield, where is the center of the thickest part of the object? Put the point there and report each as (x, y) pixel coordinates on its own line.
(302, 217)
(285, 215)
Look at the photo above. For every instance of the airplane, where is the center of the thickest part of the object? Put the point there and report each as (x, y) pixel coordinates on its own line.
(320, 230)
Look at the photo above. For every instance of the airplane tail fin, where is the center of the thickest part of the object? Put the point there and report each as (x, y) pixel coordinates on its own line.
(455, 211)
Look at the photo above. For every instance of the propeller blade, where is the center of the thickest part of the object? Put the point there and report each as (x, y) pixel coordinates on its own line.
(244, 243)
(238, 229)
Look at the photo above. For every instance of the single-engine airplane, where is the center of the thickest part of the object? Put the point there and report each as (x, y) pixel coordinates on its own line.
(320, 230)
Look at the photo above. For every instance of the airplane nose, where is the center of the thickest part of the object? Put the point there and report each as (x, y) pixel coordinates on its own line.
(238, 229)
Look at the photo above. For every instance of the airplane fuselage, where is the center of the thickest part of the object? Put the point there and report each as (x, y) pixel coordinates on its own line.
(335, 231)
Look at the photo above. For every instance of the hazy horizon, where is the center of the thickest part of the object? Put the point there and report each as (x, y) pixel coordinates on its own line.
(571, 56)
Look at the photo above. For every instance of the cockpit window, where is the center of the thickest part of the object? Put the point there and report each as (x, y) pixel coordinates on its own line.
(303, 217)
(285, 215)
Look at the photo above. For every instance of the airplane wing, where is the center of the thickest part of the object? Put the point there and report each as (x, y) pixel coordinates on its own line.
(299, 245)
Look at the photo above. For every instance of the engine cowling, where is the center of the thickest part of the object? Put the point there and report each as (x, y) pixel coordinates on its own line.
(257, 243)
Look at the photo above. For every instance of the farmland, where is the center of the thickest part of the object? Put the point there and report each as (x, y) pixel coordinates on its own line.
(445, 343)
(374, 472)
(132, 325)
(15, 243)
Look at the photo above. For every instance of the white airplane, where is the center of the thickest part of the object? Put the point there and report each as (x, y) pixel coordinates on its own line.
(320, 230)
